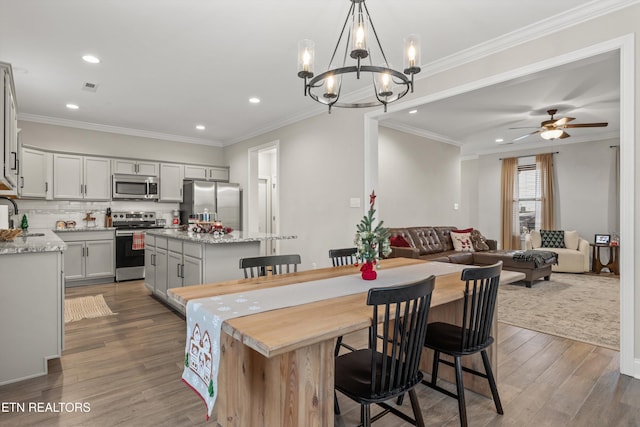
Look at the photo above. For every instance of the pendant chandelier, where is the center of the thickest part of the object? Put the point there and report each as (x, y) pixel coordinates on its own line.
(389, 85)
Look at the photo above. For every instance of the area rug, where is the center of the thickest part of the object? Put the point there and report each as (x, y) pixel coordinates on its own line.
(577, 306)
(85, 308)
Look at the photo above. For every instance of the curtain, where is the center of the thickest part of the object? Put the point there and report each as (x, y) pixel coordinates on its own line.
(510, 235)
(544, 170)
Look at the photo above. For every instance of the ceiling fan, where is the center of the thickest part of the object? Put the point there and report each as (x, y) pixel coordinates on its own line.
(554, 128)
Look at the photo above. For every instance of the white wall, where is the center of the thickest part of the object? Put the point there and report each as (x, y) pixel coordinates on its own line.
(584, 178)
(320, 170)
(419, 181)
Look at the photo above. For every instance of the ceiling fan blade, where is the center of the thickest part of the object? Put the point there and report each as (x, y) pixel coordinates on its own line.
(564, 135)
(524, 136)
(588, 125)
(563, 121)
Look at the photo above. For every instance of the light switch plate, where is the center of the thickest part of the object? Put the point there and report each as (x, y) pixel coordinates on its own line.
(354, 202)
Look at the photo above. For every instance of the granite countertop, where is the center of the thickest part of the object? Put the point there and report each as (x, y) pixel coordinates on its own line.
(48, 242)
(234, 237)
(71, 230)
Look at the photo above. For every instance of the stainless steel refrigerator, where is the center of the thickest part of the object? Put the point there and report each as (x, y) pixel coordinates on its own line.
(222, 198)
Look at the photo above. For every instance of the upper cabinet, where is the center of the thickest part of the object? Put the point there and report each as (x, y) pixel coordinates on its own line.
(210, 173)
(8, 132)
(135, 167)
(81, 178)
(171, 176)
(36, 169)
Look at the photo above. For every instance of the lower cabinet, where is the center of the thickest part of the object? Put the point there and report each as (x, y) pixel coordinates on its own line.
(171, 263)
(89, 258)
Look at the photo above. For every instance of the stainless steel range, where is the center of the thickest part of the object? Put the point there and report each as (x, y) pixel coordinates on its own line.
(130, 228)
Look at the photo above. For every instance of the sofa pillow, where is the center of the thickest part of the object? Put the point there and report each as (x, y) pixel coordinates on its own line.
(552, 238)
(478, 241)
(571, 239)
(461, 241)
(536, 240)
(399, 241)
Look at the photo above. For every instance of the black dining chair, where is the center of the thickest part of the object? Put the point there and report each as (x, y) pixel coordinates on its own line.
(473, 336)
(389, 367)
(276, 264)
(340, 257)
(344, 256)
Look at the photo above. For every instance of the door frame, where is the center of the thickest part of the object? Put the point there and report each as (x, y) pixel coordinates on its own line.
(629, 364)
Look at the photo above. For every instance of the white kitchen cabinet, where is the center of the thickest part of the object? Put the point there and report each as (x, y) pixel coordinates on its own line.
(150, 262)
(8, 132)
(161, 262)
(99, 258)
(155, 265)
(171, 176)
(97, 180)
(191, 271)
(135, 167)
(174, 270)
(35, 170)
(89, 258)
(32, 315)
(173, 264)
(211, 173)
(81, 178)
(67, 177)
(74, 261)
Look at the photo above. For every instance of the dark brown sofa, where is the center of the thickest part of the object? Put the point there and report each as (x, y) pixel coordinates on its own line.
(434, 244)
(427, 242)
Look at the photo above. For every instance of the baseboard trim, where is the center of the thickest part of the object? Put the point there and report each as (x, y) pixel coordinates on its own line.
(636, 368)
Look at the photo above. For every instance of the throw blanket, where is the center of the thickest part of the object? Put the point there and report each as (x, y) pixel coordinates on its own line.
(539, 258)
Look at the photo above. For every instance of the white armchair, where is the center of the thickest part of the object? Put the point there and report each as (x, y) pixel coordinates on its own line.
(574, 258)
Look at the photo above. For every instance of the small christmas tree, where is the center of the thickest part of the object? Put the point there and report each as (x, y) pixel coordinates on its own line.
(371, 243)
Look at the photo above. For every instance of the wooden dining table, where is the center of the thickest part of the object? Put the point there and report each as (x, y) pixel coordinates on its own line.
(277, 367)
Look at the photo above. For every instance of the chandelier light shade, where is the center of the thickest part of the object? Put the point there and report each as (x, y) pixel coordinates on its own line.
(552, 134)
(362, 49)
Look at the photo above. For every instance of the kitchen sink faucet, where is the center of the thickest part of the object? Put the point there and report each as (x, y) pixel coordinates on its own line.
(15, 209)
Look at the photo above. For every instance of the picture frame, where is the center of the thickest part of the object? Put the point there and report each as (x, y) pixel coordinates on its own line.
(602, 239)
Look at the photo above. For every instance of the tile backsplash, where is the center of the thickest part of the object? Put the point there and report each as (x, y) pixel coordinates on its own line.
(45, 213)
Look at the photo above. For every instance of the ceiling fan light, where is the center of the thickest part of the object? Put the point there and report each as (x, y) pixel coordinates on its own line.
(551, 134)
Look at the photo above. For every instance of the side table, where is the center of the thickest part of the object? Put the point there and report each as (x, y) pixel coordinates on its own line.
(613, 263)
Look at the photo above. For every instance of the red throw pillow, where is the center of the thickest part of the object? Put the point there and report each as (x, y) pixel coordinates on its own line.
(399, 241)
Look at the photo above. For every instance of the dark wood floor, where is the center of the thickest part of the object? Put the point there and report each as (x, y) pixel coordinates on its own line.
(128, 367)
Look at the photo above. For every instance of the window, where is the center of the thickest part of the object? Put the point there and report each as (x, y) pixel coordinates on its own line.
(528, 199)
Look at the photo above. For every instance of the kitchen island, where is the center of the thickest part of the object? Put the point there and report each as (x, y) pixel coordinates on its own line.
(31, 304)
(175, 258)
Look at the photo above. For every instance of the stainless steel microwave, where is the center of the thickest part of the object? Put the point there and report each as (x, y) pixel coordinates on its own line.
(134, 187)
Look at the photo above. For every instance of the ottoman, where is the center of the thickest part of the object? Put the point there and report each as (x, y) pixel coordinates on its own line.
(529, 268)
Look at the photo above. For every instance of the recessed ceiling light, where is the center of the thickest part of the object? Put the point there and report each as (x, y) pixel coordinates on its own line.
(499, 140)
(254, 100)
(91, 59)
(200, 127)
(413, 111)
(72, 106)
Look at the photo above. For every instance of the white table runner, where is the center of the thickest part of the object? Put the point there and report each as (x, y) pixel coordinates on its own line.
(206, 315)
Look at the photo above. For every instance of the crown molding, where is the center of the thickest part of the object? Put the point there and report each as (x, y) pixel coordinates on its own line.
(419, 132)
(536, 30)
(114, 129)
